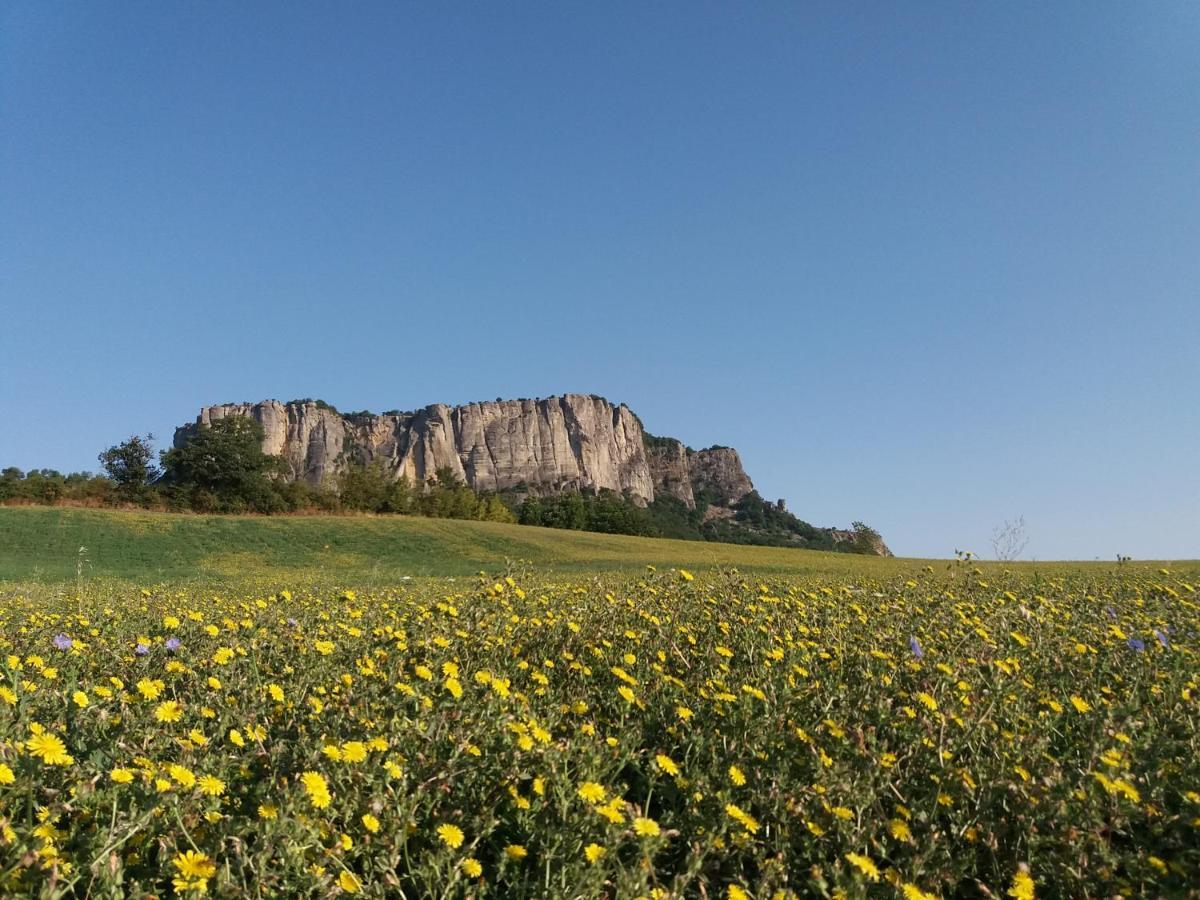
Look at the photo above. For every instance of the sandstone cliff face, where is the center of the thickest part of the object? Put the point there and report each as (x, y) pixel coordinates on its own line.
(573, 442)
(719, 470)
(669, 465)
(683, 473)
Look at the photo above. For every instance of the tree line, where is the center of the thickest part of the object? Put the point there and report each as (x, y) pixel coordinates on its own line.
(222, 469)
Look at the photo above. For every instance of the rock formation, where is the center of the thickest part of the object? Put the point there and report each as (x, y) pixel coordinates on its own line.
(572, 442)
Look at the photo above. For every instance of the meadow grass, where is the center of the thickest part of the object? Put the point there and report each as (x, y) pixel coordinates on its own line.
(38, 543)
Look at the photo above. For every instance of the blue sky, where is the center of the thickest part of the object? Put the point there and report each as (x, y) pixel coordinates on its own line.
(930, 266)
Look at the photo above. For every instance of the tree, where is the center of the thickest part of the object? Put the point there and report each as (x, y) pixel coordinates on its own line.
(399, 497)
(1009, 540)
(365, 488)
(223, 467)
(532, 511)
(130, 465)
(493, 509)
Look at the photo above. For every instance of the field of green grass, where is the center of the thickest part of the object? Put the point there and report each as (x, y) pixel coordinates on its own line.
(43, 544)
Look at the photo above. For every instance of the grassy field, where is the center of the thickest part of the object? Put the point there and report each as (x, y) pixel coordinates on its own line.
(44, 544)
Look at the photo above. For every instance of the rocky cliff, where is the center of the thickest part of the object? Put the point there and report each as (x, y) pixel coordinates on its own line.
(572, 442)
(684, 473)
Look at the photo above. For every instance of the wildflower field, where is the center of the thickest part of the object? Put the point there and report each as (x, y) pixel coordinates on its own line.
(949, 732)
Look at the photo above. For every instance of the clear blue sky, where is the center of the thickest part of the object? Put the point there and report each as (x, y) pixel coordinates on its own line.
(931, 266)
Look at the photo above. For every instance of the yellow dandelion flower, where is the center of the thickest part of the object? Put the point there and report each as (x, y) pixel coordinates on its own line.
(864, 865)
(737, 777)
(1022, 887)
(317, 789)
(912, 892)
(370, 823)
(211, 786)
(349, 882)
(742, 817)
(451, 835)
(611, 812)
(150, 688)
(515, 852)
(666, 764)
(472, 867)
(168, 711)
(592, 792)
(594, 853)
(646, 827)
(194, 865)
(50, 749)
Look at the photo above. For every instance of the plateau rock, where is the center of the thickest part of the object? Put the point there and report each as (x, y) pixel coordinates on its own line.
(572, 442)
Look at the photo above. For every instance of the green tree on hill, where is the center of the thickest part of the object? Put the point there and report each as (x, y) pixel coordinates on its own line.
(131, 467)
(222, 468)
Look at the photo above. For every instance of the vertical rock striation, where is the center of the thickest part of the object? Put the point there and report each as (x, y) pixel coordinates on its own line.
(572, 442)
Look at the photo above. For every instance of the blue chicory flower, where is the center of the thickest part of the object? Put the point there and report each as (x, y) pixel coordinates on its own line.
(915, 646)
(62, 642)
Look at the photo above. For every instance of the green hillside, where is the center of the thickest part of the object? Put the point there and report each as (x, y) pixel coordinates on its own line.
(44, 543)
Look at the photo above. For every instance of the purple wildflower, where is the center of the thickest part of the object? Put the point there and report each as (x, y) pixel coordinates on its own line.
(1162, 638)
(141, 649)
(172, 644)
(292, 623)
(915, 646)
(62, 642)
(1136, 644)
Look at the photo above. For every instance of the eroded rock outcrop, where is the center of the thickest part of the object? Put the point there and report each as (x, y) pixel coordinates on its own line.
(719, 472)
(572, 442)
